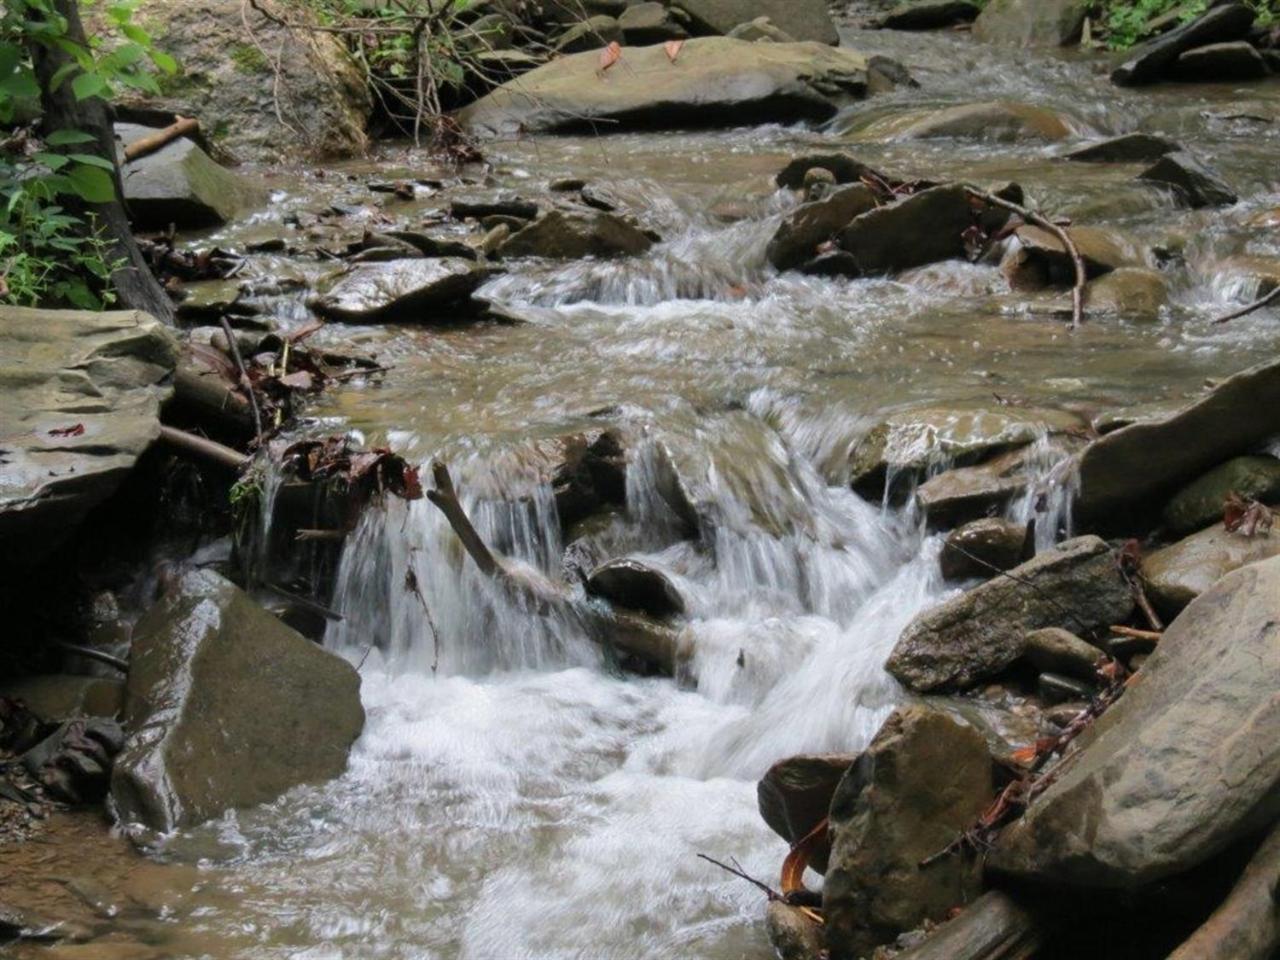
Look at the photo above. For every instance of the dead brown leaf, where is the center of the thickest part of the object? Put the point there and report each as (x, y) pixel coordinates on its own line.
(673, 48)
(610, 55)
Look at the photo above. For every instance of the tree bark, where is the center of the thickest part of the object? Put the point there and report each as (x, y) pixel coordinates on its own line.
(134, 283)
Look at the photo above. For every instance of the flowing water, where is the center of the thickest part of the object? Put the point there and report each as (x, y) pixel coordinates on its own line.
(514, 795)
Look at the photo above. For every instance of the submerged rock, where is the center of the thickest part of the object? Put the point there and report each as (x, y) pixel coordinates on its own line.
(923, 781)
(1177, 574)
(982, 548)
(714, 81)
(1153, 60)
(1135, 293)
(1200, 503)
(1195, 183)
(929, 15)
(1130, 148)
(1032, 23)
(1077, 585)
(637, 586)
(1183, 765)
(82, 393)
(181, 185)
(1003, 121)
(227, 708)
(801, 19)
(812, 224)
(413, 290)
(564, 236)
(794, 796)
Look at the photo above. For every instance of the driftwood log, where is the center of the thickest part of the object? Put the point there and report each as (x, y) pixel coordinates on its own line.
(993, 927)
(1247, 924)
(144, 146)
(628, 632)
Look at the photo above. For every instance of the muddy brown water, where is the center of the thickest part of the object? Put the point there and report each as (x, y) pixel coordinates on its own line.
(525, 801)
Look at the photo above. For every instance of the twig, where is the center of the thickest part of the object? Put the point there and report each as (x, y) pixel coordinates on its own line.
(307, 602)
(244, 375)
(1082, 277)
(204, 447)
(737, 871)
(411, 584)
(1152, 635)
(90, 654)
(1256, 305)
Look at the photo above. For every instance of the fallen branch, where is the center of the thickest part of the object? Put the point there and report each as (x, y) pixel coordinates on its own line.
(91, 654)
(245, 382)
(1152, 635)
(1082, 277)
(306, 602)
(161, 138)
(1269, 299)
(204, 448)
(737, 871)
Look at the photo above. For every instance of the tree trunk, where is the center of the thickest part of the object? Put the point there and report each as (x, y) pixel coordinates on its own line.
(136, 286)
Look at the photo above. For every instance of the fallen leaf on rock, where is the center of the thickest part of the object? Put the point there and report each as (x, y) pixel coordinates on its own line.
(673, 49)
(75, 430)
(610, 55)
(1249, 518)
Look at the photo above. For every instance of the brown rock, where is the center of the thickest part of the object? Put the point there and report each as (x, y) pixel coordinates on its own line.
(795, 795)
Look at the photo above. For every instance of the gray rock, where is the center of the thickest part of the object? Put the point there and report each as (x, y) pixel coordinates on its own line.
(227, 708)
(1131, 469)
(758, 30)
(812, 224)
(1177, 574)
(923, 780)
(1192, 180)
(82, 393)
(566, 236)
(1032, 23)
(795, 795)
(806, 20)
(1200, 503)
(650, 22)
(1130, 148)
(1216, 62)
(714, 81)
(1054, 650)
(414, 290)
(1153, 60)
(637, 586)
(923, 228)
(590, 34)
(179, 184)
(1183, 765)
(55, 697)
(978, 634)
(981, 548)
(843, 167)
(929, 15)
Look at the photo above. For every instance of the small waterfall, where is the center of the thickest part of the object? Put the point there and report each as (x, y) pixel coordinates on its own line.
(1051, 490)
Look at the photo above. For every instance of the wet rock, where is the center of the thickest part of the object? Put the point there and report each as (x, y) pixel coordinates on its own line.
(636, 585)
(1221, 62)
(929, 15)
(761, 29)
(812, 224)
(589, 34)
(590, 471)
(978, 634)
(843, 167)
(963, 494)
(720, 82)
(82, 393)
(650, 22)
(1130, 148)
(1260, 275)
(415, 291)
(1153, 60)
(923, 228)
(1200, 503)
(227, 82)
(227, 708)
(1135, 293)
(801, 19)
(795, 795)
(1136, 468)
(981, 548)
(516, 207)
(1056, 688)
(56, 697)
(1177, 574)
(1040, 259)
(1054, 650)
(566, 236)
(1002, 121)
(1005, 731)
(908, 443)
(1195, 183)
(1032, 23)
(73, 761)
(923, 780)
(1135, 805)
(429, 246)
(179, 184)
(791, 933)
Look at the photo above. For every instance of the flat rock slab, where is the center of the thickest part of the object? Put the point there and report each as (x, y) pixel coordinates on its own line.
(802, 19)
(1153, 60)
(410, 291)
(713, 82)
(1215, 62)
(82, 393)
(976, 635)
(1139, 466)
(1183, 765)
(1179, 573)
(565, 236)
(226, 707)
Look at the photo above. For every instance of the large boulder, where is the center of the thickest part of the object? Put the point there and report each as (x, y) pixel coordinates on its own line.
(1137, 467)
(810, 225)
(82, 394)
(261, 91)
(1155, 59)
(227, 708)
(1186, 763)
(181, 185)
(1201, 502)
(427, 290)
(1032, 23)
(713, 81)
(923, 781)
(1076, 585)
(802, 19)
(1177, 574)
(571, 236)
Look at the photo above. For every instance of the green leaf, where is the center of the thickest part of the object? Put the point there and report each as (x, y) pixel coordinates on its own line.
(92, 184)
(54, 161)
(20, 84)
(92, 161)
(64, 138)
(165, 62)
(88, 85)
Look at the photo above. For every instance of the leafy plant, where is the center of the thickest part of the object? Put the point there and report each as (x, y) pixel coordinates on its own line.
(1126, 21)
(51, 252)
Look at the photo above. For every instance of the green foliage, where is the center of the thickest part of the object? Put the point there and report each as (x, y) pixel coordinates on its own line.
(48, 254)
(1126, 21)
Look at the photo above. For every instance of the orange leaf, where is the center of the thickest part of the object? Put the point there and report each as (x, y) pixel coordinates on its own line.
(673, 49)
(610, 55)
